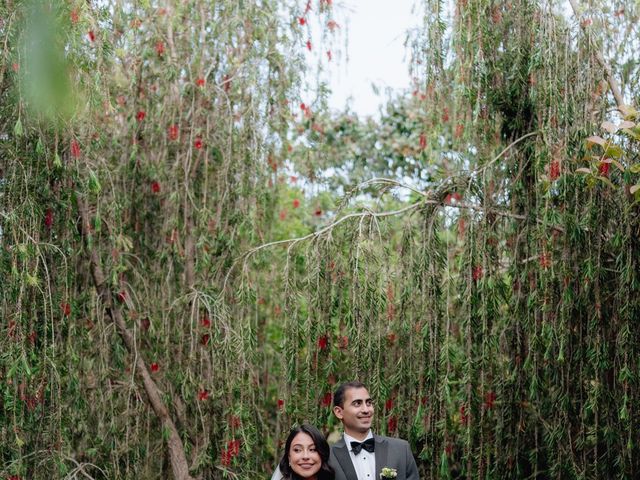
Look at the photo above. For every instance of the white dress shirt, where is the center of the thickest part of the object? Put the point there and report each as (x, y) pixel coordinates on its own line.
(365, 462)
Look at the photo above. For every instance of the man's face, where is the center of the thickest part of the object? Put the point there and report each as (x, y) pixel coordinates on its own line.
(356, 413)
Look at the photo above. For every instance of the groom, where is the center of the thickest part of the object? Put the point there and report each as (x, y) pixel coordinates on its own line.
(359, 454)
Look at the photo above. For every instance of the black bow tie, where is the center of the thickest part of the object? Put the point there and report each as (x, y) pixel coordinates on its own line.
(369, 445)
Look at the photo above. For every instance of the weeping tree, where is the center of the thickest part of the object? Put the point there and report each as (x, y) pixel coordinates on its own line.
(491, 303)
(138, 141)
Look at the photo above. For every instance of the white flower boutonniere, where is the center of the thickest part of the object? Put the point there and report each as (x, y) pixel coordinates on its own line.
(388, 473)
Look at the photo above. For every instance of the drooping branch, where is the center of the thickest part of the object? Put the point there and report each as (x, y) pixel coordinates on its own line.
(174, 443)
(613, 84)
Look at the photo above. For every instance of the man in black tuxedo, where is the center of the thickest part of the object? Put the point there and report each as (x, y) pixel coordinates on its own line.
(360, 454)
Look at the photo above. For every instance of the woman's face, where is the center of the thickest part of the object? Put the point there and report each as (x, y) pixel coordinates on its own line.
(303, 456)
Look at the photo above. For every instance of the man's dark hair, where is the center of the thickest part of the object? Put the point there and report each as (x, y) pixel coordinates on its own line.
(338, 397)
(322, 447)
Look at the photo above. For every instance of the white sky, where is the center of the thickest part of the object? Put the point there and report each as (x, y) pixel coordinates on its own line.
(376, 53)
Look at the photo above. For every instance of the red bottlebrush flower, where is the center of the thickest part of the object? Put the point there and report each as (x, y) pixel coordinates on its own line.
(15, 67)
(603, 169)
(234, 421)
(392, 424)
(489, 398)
(198, 143)
(155, 186)
(48, 218)
(326, 400)
(388, 405)
(457, 197)
(75, 149)
(464, 418)
(74, 16)
(423, 141)
(145, 324)
(329, 55)
(309, 45)
(160, 48)
(445, 115)
(203, 395)
(303, 107)
(205, 321)
(318, 212)
(545, 261)
(233, 447)
(332, 25)
(140, 115)
(554, 170)
(66, 309)
(173, 132)
(296, 203)
(302, 21)
(391, 338)
(280, 404)
(200, 82)
(282, 215)
(204, 340)
(323, 342)
(155, 368)
(476, 273)
(225, 458)
(459, 130)
(91, 35)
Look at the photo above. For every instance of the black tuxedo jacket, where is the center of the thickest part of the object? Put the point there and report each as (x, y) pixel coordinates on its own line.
(390, 452)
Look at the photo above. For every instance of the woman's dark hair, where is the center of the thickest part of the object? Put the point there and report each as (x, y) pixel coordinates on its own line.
(322, 447)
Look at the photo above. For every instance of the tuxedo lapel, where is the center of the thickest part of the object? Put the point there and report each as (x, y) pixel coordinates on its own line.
(341, 452)
(382, 451)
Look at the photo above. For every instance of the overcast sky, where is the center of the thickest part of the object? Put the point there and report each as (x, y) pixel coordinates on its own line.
(377, 31)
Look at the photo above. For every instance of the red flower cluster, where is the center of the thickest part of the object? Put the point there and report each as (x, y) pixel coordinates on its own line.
(326, 400)
(302, 21)
(392, 424)
(74, 16)
(296, 203)
(140, 115)
(388, 405)
(205, 321)
(203, 395)
(603, 169)
(155, 368)
(489, 399)
(323, 342)
(75, 149)
(232, 450)
(172, 131)
(48, 218)
(200, 82)
(92, 36)
(476, 273)
(423, 141)
(318, 212)
(160, 48)
(545, 261)
(332, 25)
(280, 404)
(198, 143)
(329, 55)
(155, 186)
(66, 309)
(343, 342)
(554, 170)
(309, 45)
(464, 417)
(204, 340)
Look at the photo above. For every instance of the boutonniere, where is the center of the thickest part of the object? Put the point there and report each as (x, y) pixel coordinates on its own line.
(388, 473)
